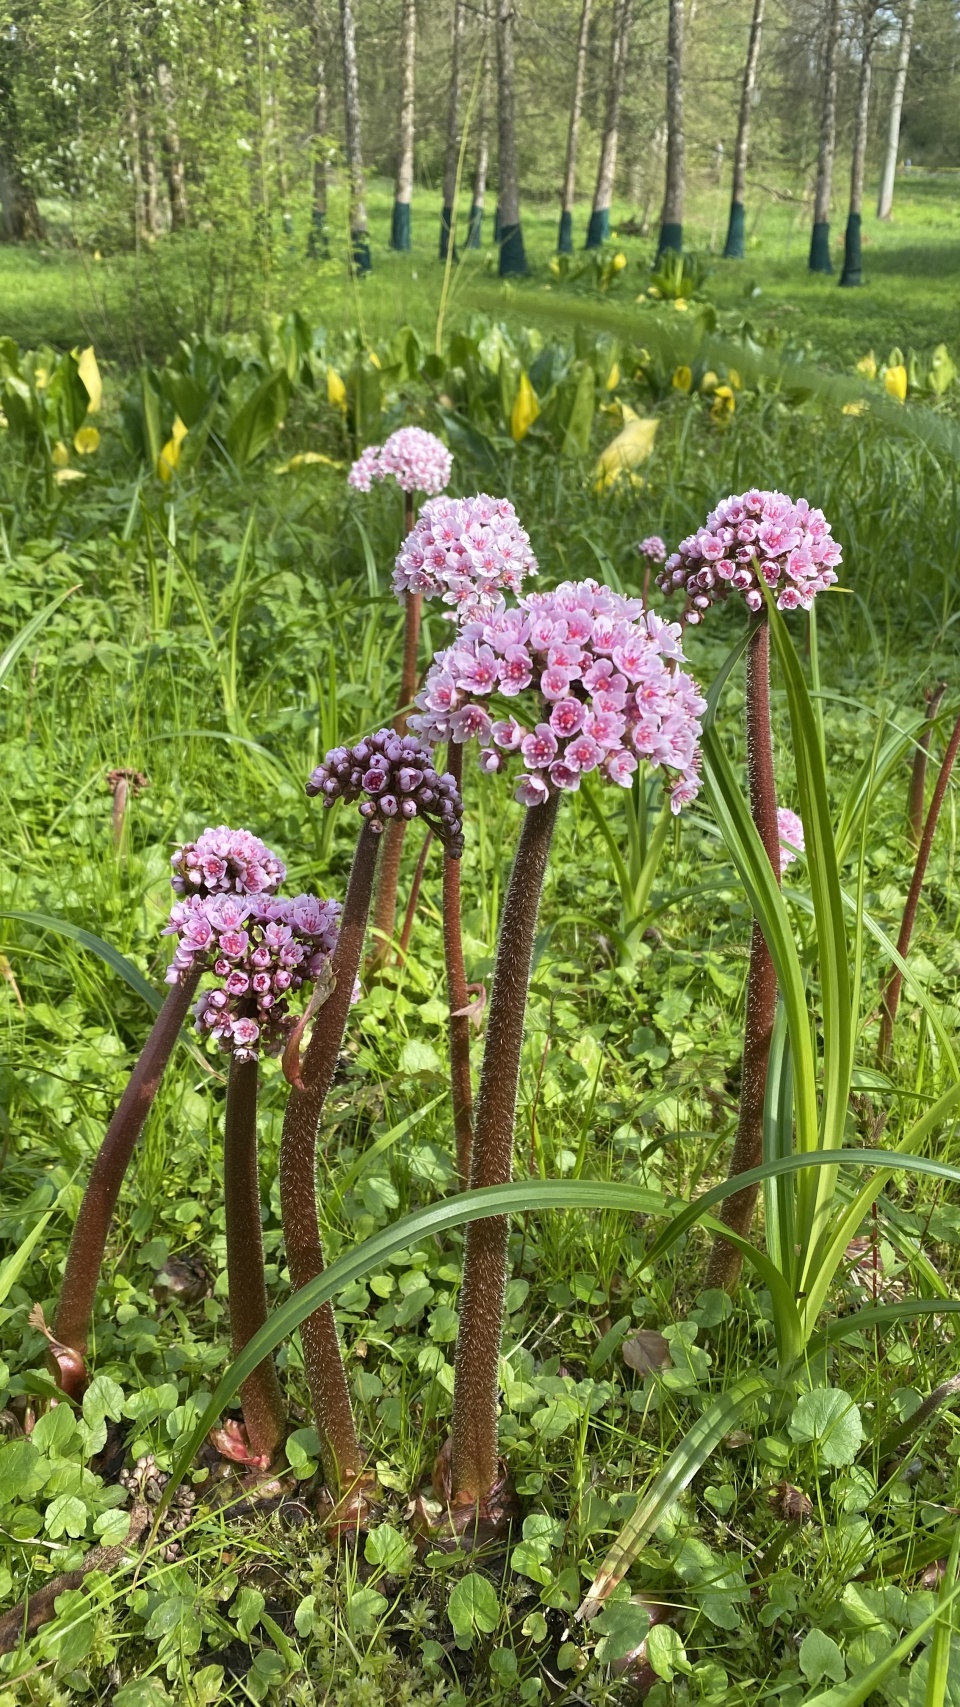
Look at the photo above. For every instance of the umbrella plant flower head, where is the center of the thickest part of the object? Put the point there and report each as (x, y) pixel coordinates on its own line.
(392, 776)
(653, 548)
(466, 551)
(417, 460)
(599, 681)
(232, 862)
(791, 837)
(261, 949)
(757, 538)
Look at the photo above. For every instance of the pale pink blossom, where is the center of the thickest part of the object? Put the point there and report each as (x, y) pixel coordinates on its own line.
(466, 551)
(757, 539)
(790, 831)
(417, 460)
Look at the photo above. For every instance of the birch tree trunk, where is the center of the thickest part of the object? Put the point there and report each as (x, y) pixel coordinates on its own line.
(150, 179)
(599, 228)
(351, 101)
(176, 178)
(671, 219)
(475, 224)
(133, 155)
(400, 226)
(820, 261)
(452, 151)
(885, 200)
(317, 242)
(513, 259)
(736, 230)
(852, 263)
(565, 237)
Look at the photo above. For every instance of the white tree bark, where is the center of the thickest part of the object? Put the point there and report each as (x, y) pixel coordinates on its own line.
(351, 101)
(619, 46)
(176, 178)
(408, 56)
(828, 118)
(675, 177)
(746, 104)
(576, 109)
(885, 200)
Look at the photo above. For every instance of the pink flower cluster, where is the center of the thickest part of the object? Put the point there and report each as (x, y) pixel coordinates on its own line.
(415, 459)
(261, 949)
(652, 548)
(603, 675)
(226, 861)
(756, 538)
(466, 551)
(398, 778)
(790, 829)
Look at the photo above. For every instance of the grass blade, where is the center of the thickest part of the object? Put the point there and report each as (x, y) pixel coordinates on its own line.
(22, 639)
(112, 957)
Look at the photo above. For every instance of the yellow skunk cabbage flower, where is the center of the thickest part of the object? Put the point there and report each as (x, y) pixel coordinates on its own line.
(710, 381)
(86, 440)
(303, 459)
(619, 262)
(169, 459)
(682, 378)
(867, 365)
(613, 377)
(90, 374)
(336, 390)
(631, 446)
(853, 408)
(895, 383)
(525, 409)
(59, 455)
(724, 403)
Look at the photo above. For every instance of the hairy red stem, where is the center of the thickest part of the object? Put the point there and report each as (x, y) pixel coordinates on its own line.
(264, 1412)
(918, 775)
(340, 1449)
(71, 1322)
(723, 1268)
(461, 1088)
(894, 984)
(474, 1429)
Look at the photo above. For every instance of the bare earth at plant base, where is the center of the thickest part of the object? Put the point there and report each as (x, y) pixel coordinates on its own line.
(817, 1534)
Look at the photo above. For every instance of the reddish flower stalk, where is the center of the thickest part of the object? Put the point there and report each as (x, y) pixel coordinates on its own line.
(392, 777)
(341, 1454)
(723, 1268)
(414, 898)
(475, 1468)
(918, 775)
(894, 983)
(264, 1412)
(458, 996)
(71, 1322)
(385, 907)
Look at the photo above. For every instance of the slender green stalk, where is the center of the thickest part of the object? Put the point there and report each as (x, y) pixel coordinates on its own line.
(71, 1322)
(264, 1412)
(340, 1449)
(474, 1431)
(723, 1268)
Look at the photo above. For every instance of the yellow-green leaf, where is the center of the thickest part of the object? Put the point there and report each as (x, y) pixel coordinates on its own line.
(303, 459)
(682, 378)
(169, 459)
(336, 390)
(895, 382)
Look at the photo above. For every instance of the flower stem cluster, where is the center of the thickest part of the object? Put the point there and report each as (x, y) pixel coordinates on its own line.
(261, 949)
(467, 551)
(393, 777)
(600, 677)
(223, 861)
(415, 459)
(750, 541)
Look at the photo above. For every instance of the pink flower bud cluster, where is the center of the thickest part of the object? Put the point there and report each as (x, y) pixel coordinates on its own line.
(602, 681)
(393, 777)
(415, 459)
(652, 548)
(790, 830)
(756, 539)
(466, 551)
(261, 949)
(226, 861)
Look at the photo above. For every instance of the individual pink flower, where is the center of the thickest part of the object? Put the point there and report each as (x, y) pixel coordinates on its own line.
(757, 539)
(466, 551)
(604, 689)
(417, 460)
(790, 831)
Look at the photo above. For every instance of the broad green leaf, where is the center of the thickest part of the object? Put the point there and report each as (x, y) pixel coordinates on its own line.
(473, 1608)
(829, 1420)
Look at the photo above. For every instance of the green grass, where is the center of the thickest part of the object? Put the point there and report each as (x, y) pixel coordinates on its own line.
(626, 1077)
